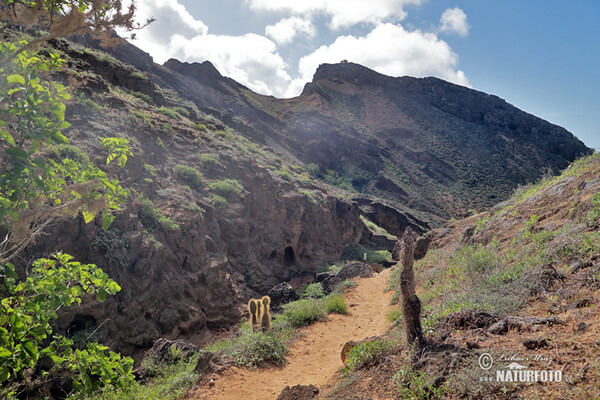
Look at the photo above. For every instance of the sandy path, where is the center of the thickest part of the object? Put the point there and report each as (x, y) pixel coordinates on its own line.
(314, 358)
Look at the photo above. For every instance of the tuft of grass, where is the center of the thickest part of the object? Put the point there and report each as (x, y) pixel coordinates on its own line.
(189, 175)
(336, 304)
(415, 384)
(304, 312)
(252, 350)
(168, 112)
(394, 316)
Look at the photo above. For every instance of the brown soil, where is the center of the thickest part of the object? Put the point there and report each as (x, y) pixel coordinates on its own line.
(314, 357)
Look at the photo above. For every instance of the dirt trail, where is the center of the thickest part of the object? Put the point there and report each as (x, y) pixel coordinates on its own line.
(315, 357)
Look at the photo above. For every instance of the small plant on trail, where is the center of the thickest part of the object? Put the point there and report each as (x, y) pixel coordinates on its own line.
(367, 354)
(336, 304)
(417, 385)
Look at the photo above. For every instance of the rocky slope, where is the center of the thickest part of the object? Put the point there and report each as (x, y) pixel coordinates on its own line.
(521, 280)
(230, 192)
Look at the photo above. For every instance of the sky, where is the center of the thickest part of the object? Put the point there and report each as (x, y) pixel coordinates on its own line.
(542, 56)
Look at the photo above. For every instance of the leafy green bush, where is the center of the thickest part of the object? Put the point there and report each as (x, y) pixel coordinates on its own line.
(228, 188)
(218, 201)
(189, 175)
(152, 218)
(26, 335)
(170, 381)
(336, 304)
(304, 312)
(151, 169)
(367, 354)
(312, 291)
(209, 159)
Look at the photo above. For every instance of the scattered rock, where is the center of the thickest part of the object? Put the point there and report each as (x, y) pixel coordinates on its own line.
(348, 271)
(376, 268)
(498, 328)
(582, 327)
(582, 303)
(209, 363)
(282, 293)
(533, 344)
(299, 392)
(161, 350)
(472, 345)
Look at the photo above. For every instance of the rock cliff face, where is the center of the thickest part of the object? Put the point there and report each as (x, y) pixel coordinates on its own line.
(234, 192)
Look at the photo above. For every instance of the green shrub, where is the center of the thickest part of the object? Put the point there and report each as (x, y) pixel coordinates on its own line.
(166, 128)
(189, 175)
(170, 382)
(304, 312)
(209, 159)
(228, 188)
(218, 201)
(313, 291)
(394, 315)
(367, 354)
(251, 350)
(152, 218)
(336, 304)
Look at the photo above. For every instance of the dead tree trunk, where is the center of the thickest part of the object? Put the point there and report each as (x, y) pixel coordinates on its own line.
(411, 305)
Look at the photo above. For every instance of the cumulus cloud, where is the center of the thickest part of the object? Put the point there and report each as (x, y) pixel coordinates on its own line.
(342, 13)
(250, 59)
(388, 49)
(254, 60)
(454, 20)
(286, 30)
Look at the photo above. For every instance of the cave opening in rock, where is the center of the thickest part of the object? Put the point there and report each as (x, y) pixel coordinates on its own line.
(81, 323)
(288, 256)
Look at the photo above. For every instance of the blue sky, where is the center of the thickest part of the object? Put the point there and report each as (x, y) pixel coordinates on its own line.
(541, 56)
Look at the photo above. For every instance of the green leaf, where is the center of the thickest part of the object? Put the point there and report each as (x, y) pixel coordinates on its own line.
(15, 78)
(7, 136)
(30, 348)
(101, 295)
(107, 219)
(4, 354)
(4, 374)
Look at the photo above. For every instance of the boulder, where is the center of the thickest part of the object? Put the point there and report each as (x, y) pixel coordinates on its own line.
(161, 350)
(282, 293)
(299, 392)
(210, 362)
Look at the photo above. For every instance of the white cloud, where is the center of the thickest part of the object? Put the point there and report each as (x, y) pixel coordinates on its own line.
(253, 60)
(284, 31)
(454, 20)
(388, 49)
(343, 13)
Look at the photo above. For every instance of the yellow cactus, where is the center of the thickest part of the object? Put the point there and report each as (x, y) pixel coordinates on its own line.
(265, 320)
(254, 308)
